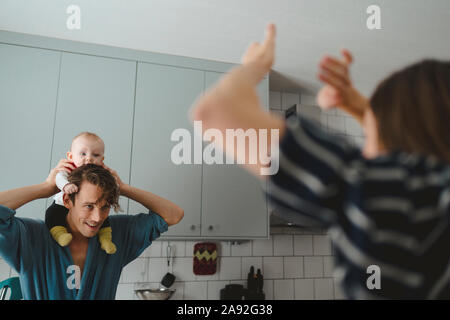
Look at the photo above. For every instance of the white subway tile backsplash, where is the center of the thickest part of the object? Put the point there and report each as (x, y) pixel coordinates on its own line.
(303, 245)
(289, 99)
(309, 99)
(247, 262)
(328, 265)
(125, 291)
(195, 290)
(304, 289)
(136, 271)
(224, 248)
(291, 261)
(158, 268)
(321, 245)
(208, 277)
(275, 100)
(154, 250)
(283, 289)
(323, 289)
(313, 267)
(242, 249)
(293, 267)
(189, 250)
(268, 289)
(273, 267)
(230, 268)
(183, 269)
(338, 292)
(178, 286)
(263, 247)
(282, 245)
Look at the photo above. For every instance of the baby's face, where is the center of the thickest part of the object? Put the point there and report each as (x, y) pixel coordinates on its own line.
(86, 150)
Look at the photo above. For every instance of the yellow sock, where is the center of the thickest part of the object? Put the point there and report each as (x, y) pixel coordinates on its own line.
(105, 238)
(60, 234)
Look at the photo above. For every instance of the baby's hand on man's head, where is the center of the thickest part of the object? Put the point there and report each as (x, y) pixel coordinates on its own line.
(70, 188)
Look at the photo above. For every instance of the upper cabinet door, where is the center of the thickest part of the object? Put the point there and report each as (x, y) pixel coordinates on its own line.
(233, 203)
(96, 94)
(163, 97)
(28, 90)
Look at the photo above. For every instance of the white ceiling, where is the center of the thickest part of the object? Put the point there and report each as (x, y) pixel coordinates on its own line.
(221, 30)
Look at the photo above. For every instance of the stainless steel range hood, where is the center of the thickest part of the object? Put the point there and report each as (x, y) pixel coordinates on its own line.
(277, 218)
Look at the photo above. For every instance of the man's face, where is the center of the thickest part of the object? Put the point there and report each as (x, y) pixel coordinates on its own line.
(87, 214)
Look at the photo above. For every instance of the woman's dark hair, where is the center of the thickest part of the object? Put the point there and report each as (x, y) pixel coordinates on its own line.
(412, 109)
(99, 176)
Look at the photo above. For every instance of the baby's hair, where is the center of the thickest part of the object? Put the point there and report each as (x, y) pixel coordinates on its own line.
(89, 135)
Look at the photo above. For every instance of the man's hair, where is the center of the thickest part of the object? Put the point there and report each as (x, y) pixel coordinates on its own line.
(89, 135)
(98, 176)
(412, 109)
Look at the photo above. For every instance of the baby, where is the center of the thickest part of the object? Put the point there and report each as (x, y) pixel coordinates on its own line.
(86, 148)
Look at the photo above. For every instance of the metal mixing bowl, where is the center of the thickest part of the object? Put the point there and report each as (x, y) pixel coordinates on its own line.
(154, 294)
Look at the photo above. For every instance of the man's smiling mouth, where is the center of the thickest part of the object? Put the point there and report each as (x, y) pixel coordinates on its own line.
(92, 226)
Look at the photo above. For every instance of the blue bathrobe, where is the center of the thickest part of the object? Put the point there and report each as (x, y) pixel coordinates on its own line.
(44, 266)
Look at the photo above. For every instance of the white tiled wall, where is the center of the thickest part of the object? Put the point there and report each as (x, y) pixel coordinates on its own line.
(334, 120)
(296, 263)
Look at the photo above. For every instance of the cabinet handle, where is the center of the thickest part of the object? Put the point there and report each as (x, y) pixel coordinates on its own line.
(210, 228)
(193, 227)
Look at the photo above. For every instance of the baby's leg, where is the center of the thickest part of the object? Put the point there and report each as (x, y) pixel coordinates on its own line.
(55, 215)
(55, 220)
(105, 238)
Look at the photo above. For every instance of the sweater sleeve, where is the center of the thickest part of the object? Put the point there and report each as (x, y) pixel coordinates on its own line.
(310, 185)
(13, 239)
(136, 232)
(61, 179)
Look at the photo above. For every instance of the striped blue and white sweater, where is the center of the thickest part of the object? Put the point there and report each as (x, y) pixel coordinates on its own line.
(391, 211)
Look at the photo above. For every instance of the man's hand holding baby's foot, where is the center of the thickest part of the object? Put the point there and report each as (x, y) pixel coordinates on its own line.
(70, 188)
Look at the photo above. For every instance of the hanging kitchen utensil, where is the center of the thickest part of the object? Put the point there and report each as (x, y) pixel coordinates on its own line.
(168, 280)
(205, 258)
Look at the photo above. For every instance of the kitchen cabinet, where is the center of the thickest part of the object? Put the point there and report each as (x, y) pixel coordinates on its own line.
(219, 201)
(96, 94)
(163, 97)
(28, 90)
(233, 203)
